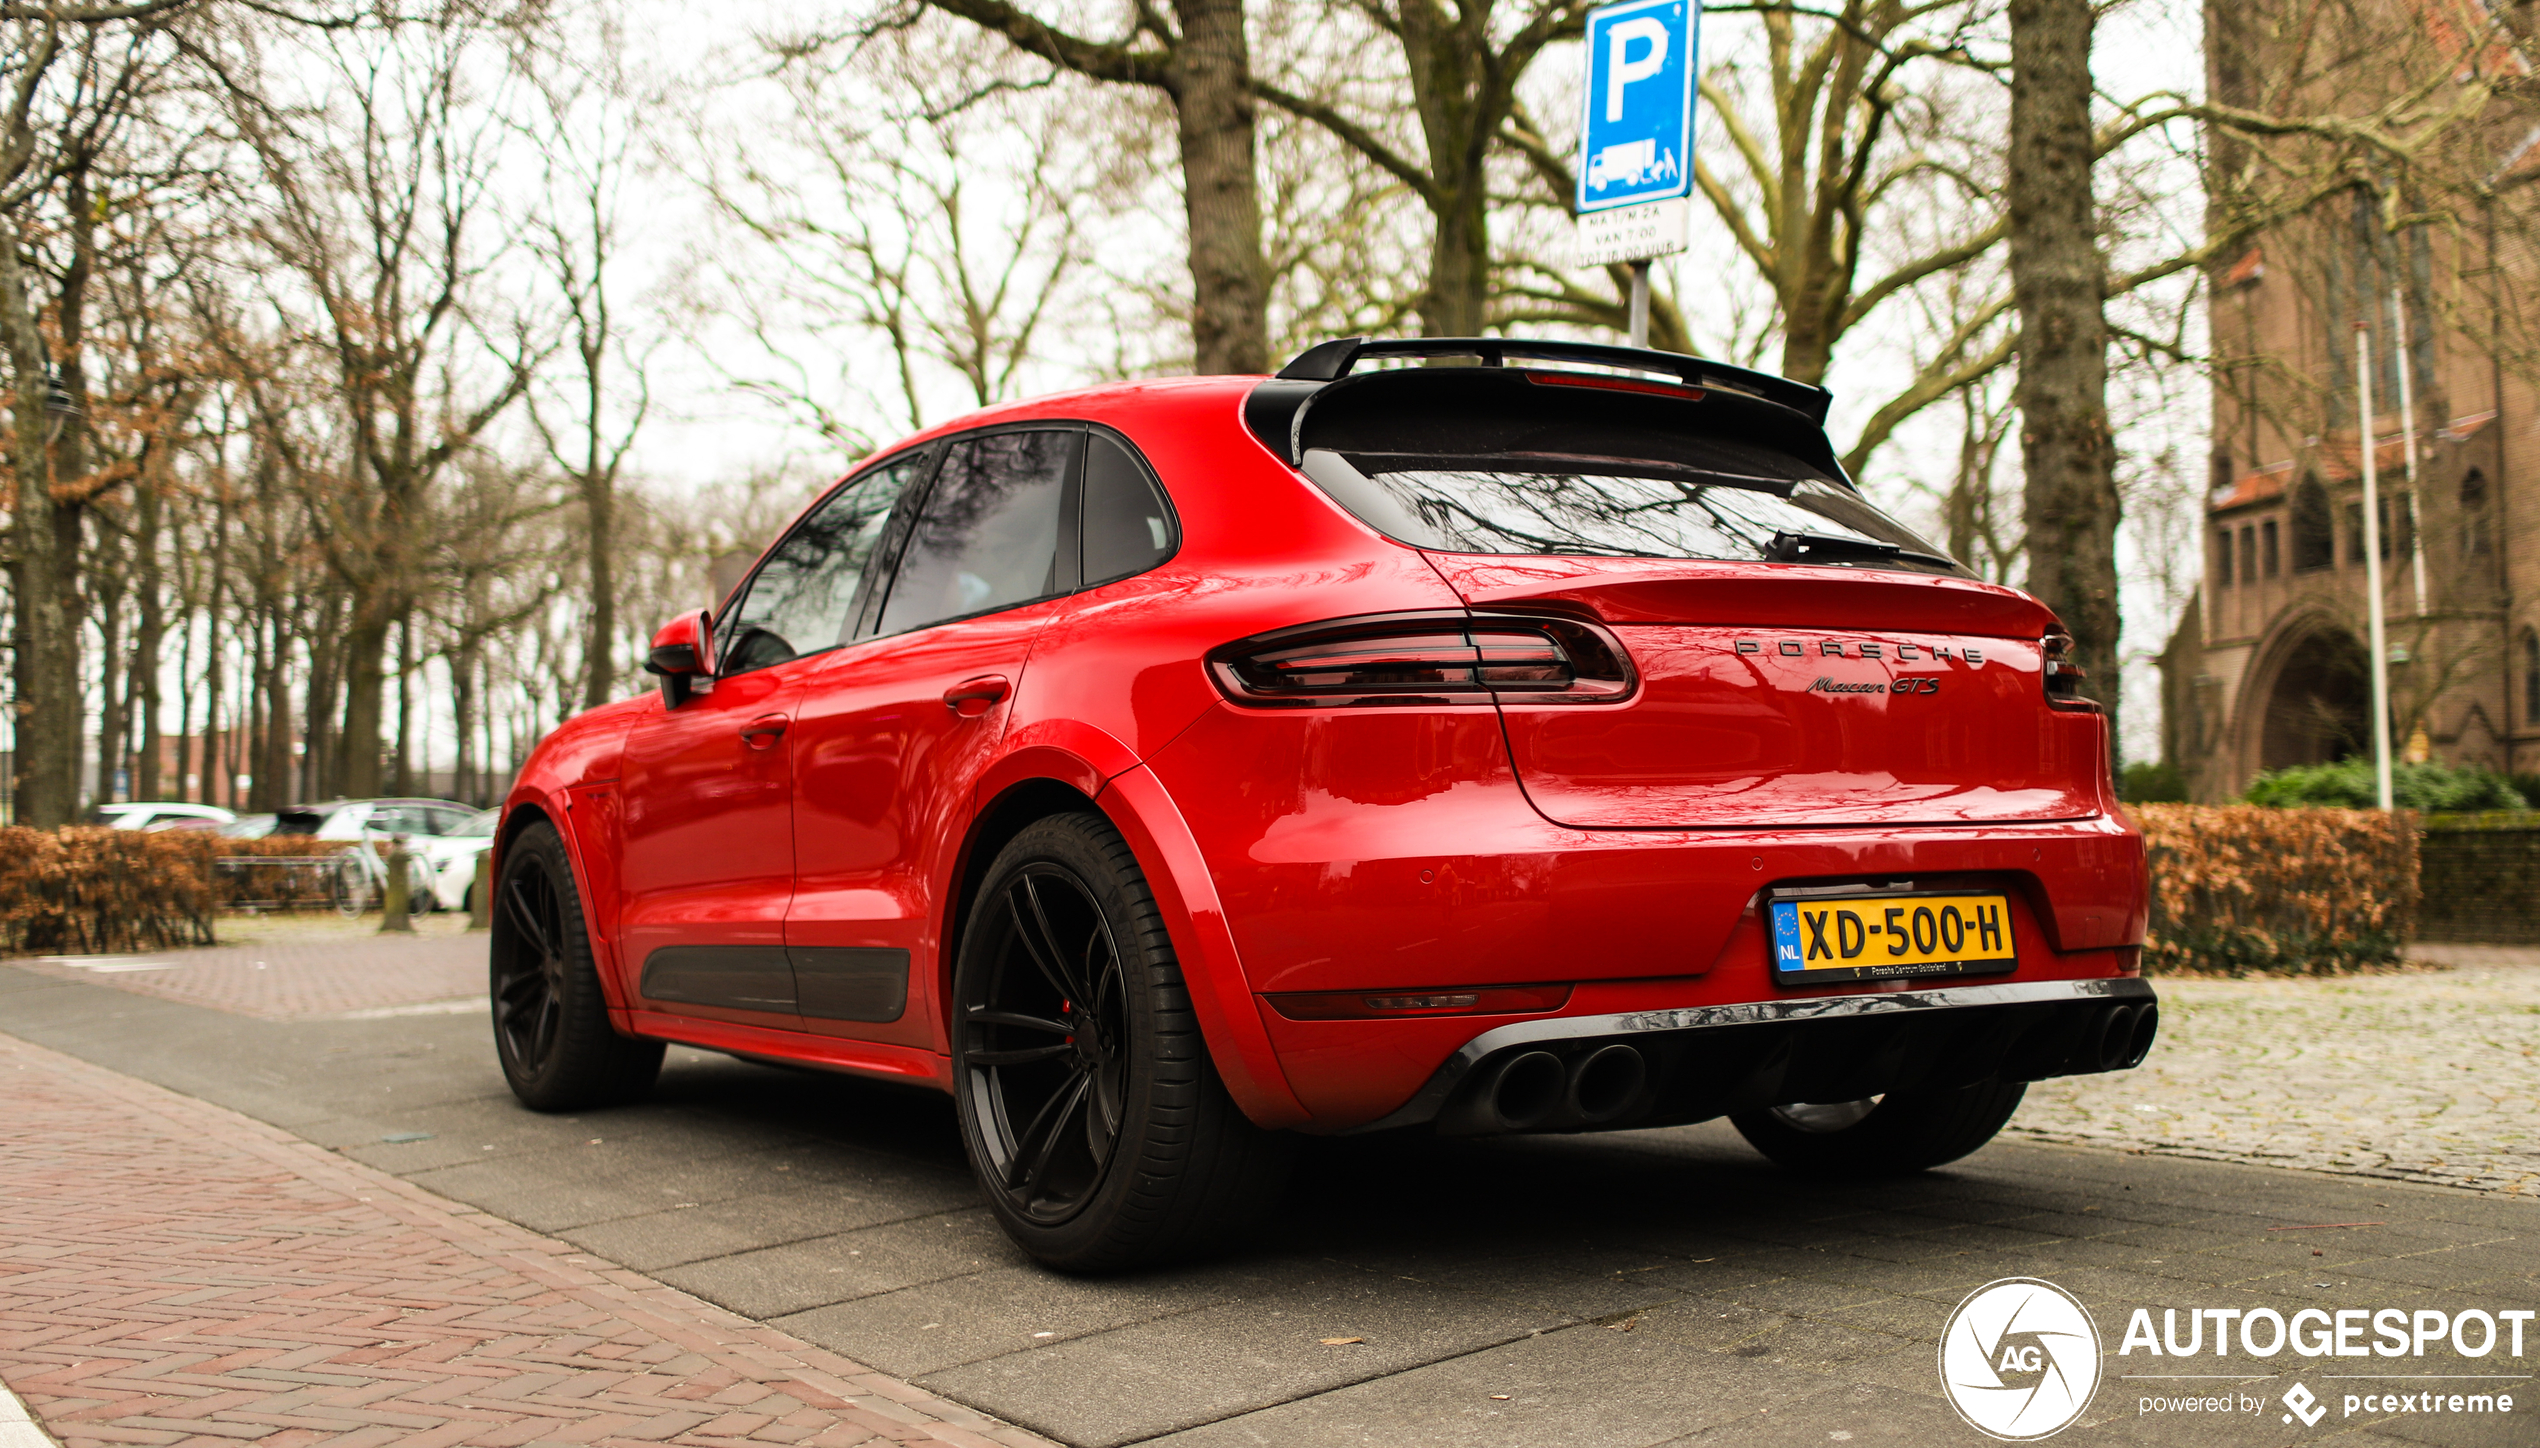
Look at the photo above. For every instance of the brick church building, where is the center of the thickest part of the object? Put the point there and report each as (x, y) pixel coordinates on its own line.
(2268, 665)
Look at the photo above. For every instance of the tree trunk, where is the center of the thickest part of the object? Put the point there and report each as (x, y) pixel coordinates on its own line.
(273, 774)
(1459, 108)
(149, 638)
(2059, 282)
(1221, 194)
(318, 779)
(218, 786)
(463, 708)
(365, 698)
(45, 664)
(404, 776)
(1456, 303)
(71, 463)
(113, 683)
(186, 778)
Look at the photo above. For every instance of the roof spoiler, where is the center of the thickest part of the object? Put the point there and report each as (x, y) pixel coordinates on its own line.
(1332, 360)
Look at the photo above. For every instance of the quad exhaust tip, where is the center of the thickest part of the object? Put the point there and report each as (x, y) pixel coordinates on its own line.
(1528, 1091)
(2121, 1037)
(1606, 1083)
(1537, 1089)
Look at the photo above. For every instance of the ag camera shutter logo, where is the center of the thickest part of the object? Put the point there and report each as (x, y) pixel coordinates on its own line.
(2020, 1359)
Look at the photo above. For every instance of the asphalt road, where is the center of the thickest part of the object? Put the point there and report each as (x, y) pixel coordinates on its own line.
(1633, 1288)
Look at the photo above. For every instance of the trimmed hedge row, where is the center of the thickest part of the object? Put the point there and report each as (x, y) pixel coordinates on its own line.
(2246, 889)
(90, 890)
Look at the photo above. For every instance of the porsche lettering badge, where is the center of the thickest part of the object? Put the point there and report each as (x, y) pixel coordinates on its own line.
(1838, 649)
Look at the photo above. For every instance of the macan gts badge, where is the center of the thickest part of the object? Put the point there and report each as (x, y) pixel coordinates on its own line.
(1173, 768)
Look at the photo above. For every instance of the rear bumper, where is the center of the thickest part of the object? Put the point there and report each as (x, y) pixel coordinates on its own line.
(1695, 1063)
(1392, 851)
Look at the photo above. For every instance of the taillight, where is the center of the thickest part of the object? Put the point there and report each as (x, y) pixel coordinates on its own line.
(2063, 676)
(1426, 658)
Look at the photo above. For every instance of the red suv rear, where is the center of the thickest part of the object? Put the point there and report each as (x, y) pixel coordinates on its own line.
(1169, 766)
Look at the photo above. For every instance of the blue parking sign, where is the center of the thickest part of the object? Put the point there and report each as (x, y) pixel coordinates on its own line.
(1636, 140)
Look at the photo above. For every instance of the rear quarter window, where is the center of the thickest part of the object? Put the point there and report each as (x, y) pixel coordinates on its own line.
(1547, 507)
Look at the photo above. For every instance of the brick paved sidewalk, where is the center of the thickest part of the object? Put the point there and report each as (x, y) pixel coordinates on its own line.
(300, 974)
(2430, 1077)
(175, 1273)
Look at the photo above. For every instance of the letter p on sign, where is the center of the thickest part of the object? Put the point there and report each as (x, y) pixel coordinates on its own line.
(1622, 67)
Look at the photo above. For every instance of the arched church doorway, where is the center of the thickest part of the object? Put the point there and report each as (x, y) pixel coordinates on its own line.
(2320, 706)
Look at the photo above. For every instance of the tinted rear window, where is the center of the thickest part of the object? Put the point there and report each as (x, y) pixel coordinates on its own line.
(1612, 507)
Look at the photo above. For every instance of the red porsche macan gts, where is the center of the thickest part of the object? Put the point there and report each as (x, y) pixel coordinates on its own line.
(1556, 743)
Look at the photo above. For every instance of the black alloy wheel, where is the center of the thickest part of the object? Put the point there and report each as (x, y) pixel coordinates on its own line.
(551, 1026)
(529, 996)
(1043, 1043)
(1093, 1117)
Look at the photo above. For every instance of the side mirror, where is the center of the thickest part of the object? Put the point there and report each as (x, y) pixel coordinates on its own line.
(680, 658)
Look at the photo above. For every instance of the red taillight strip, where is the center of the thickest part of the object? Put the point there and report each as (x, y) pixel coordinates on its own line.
(1382, 1005)
(1612, 384)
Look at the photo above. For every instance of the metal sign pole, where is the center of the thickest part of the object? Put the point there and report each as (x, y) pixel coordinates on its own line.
(2372, 567)
(1635, 158)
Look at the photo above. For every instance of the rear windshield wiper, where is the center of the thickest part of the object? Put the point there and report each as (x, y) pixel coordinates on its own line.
(1832, 547)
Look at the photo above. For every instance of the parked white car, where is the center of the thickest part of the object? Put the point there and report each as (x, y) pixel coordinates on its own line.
(453, 857)
(434, 831)
(160, 814)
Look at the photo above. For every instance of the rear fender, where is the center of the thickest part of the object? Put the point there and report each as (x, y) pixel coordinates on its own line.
(1221, 997)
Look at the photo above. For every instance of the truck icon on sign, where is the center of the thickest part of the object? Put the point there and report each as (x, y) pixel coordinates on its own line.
(1631, 163)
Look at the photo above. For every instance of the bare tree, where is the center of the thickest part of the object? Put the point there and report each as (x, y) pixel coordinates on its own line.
(2067, 454)
(588, 422)
(874, 228)
(1199, 58)
(371, 213)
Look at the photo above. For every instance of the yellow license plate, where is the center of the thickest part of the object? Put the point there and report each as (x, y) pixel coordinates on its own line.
(1882, 937)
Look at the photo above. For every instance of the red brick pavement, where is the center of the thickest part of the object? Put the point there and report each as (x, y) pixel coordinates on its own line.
(295, 977)
(171, 1272)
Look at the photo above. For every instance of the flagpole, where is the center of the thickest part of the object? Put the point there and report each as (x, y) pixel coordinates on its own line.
(2408, 440)
(2372, 567)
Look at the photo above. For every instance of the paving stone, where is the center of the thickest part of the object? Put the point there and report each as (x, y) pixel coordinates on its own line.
(173, 1270)
(2431, 1076)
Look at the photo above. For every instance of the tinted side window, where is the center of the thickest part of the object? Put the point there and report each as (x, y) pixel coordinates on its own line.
(802, 599)
(988, 536)
(1127, 527)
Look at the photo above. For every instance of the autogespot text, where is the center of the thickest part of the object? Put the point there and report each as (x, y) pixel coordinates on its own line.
(2474, 1338)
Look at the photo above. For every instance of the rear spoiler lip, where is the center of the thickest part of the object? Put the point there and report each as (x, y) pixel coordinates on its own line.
(1274, 410)
(1331, 361)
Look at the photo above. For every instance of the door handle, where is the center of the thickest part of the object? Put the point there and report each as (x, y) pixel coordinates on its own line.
(973, 697)
(764, 731)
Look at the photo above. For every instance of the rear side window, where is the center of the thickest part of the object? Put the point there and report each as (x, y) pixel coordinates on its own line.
(1608, 507)
(988, 535)
(1127, 527)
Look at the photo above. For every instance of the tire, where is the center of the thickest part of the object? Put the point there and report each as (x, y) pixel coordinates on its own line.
(551, 1023)
(1901, 1132)
(1093, 1117)
(348, 885)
